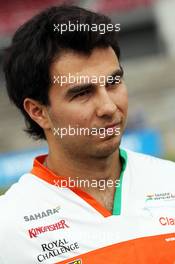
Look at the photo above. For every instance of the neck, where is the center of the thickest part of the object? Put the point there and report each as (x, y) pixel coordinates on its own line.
(94, 170)
(99, 175)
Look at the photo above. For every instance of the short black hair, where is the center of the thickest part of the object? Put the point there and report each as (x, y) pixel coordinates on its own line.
(35, 44)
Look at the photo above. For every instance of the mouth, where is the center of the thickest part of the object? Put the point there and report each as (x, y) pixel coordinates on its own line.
(113, 126)
(113, 131)
(110, 130)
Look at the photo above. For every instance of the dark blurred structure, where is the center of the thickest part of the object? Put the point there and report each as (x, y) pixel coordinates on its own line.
(138, 35)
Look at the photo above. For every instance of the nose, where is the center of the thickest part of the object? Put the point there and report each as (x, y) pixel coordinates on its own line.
(105, 105)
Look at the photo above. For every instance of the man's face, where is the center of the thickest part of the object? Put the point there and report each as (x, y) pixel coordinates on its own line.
(87, 104)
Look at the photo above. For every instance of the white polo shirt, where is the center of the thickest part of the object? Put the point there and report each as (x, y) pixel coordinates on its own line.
(41, 222)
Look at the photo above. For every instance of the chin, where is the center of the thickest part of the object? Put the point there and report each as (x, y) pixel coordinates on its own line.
(107, 147)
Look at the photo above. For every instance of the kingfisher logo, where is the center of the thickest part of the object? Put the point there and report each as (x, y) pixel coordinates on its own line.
(77, 261)
(34, 232)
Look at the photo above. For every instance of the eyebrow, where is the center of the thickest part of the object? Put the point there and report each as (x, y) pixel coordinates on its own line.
(88, 86)
(118, 72)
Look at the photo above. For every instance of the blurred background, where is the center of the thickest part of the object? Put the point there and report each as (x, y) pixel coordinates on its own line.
(147, 41)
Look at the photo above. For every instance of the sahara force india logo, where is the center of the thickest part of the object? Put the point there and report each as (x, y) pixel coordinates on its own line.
(34, 232)
(160, 196)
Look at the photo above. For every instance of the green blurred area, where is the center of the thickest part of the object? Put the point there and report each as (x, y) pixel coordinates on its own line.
(169, 156)
(2, 191)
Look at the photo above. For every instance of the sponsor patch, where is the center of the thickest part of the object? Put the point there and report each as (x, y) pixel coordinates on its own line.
(42, 214)
(57, 248)
(77, 261)
(34, 232)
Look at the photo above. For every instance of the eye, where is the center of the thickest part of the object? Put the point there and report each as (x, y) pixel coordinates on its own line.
(84, 93)
(114, 80)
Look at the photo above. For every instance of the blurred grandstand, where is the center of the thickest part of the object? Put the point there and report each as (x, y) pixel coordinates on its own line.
(147, 41)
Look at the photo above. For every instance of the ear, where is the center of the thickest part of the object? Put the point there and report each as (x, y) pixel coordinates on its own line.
(37, 112)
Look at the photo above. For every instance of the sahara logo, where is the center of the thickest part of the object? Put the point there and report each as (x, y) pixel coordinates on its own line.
(42, 214)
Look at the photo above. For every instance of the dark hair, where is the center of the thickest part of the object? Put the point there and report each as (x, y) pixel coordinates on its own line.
(34, 46)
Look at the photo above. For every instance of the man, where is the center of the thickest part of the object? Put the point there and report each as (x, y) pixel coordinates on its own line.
(87, 201)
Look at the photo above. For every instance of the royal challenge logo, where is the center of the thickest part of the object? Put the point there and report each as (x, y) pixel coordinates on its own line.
(57, 248)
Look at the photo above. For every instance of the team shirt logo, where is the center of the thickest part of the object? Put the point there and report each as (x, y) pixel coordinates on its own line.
(78, 261)
(42, 214)
(57, 248)
(34, 232)
(167, 196)
(167, 221)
